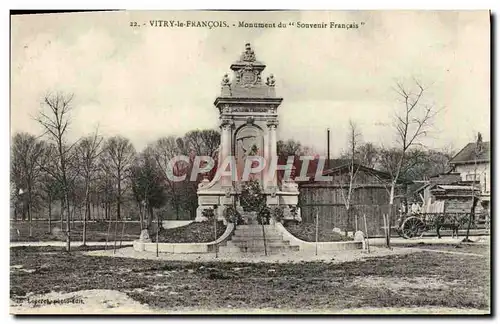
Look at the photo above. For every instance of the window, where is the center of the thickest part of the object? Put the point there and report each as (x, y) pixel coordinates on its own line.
(470, 177)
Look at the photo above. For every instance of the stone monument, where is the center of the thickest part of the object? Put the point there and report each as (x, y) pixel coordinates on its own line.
(248, 113)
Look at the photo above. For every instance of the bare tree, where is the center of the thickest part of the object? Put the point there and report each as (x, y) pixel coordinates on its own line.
(148, 186)
(118, 155)
(202, 142)
(413, 122)
(367, 154)
(27, 152)
(49, 183)
(54, 117)
(88, 151)
(163, 151)
(347, 191)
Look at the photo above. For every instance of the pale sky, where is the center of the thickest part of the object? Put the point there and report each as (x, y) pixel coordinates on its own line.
(148, 82)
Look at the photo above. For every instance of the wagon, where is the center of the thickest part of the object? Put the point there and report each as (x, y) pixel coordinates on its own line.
(414, 225)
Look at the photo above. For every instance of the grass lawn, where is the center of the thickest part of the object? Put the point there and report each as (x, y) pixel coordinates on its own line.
(307, 232)
(411, 280)
(482, 249)
(96, 231)
(198, 232)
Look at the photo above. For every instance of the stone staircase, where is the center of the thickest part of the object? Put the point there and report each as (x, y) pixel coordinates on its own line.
(249, 238)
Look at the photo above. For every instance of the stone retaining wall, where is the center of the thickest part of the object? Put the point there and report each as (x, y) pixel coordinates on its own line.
(186, 247)
(322, 246)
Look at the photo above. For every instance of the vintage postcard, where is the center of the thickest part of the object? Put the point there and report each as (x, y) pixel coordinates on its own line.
(250, 162)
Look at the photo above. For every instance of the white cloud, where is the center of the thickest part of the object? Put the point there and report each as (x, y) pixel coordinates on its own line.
(153, 82)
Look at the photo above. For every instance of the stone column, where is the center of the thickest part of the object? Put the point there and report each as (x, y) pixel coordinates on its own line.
(265, 179)
(226, 125)
(272, 125)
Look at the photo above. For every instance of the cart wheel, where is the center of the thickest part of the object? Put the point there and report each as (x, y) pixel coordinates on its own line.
(412, 227)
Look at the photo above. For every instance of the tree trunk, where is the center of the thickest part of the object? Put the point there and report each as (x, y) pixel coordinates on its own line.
(116, 231)
(141, 218)
(30, 220)
(23, 209)
(73, 213)
(50, 214)
(471, 216)
(150, 212)
(118, 205)
(87, 212)
(61, 213)
(119, 196)
(389, 215)
(68, 228)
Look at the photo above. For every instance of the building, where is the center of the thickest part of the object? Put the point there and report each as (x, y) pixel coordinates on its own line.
(448, 193)
(370, 198)
(475, 166)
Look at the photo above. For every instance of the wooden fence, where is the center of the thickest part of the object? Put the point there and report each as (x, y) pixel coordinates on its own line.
(335, 216)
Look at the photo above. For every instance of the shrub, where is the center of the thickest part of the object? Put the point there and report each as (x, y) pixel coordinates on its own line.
(278, 214)
(264, 215)
(208, 213)
(233, 216)
(252, 197)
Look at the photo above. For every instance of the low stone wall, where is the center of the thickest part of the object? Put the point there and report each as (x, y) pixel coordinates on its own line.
(186, 247)
(175, 223)
(322, 246)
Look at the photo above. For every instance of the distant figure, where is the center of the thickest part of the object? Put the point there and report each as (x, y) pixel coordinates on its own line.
(402, 209)
(415, 208)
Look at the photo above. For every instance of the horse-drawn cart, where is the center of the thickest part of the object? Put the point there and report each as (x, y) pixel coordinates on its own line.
(414, 225)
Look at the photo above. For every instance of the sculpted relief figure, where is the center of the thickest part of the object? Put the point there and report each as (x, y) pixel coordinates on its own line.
(248, 55)
(225, 80)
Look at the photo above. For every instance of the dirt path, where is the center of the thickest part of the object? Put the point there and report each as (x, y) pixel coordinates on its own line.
(289, 257)
(451, 252)
(61, 243)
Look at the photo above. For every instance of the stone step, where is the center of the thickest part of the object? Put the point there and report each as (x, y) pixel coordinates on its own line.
(254, 226)
(256, 232)
(270, 249)
(256, 239)
(258, 244)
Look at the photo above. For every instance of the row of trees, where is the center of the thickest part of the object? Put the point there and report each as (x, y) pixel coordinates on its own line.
(96, 174)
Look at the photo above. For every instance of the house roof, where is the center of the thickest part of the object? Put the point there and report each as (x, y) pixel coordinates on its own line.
(454, 187)
(341, 165)
(449, 178)
(466, 155)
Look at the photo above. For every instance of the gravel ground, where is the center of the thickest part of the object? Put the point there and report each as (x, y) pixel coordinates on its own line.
(289, 257)
(109, 302)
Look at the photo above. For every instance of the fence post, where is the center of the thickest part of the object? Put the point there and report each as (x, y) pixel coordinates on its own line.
(157, 232)
(123, 232)
(317, 229)
(263, 235)
(385, 226)
(107, 234)
(215, 234)
(367, 237)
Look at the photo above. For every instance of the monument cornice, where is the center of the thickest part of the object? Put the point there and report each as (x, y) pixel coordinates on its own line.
(245, 100)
